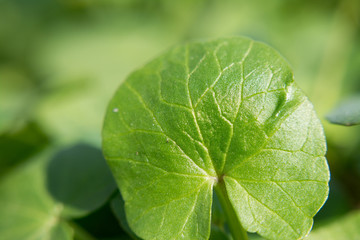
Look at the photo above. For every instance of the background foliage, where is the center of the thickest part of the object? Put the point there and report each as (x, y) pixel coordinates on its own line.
(61, 62)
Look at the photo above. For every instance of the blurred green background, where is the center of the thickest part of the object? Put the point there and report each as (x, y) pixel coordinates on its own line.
(61, 62)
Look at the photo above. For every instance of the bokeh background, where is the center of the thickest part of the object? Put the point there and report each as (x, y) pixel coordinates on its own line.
(62, 60)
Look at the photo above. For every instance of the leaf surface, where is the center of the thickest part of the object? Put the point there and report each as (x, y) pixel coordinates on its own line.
(219, 113)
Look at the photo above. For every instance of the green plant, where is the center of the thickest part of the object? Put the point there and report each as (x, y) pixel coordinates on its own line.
(61, 62)
(221, 115)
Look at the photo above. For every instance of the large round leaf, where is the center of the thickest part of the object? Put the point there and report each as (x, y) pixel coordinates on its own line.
(223, 114)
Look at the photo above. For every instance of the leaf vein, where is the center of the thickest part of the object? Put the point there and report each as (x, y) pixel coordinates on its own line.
(158, 123)
(269, 91)
(157, 167)
(230, 135)
(241, 98)
(267, 140)
(166, 202)
(221, 71)
(191, 211)
(271, 210)
(254, 217)
(190, 99)
(292, 199)
(278, 181)
(162, 99)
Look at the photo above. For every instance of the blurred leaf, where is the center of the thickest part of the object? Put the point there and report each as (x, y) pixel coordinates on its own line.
(346, 113)
(18, 145)
(61, 231)
(16, 98)
(27, 210)
(117, 205)
(79, 178)
(347, 227)
(71, 115)
(30, 212)
(84, 62)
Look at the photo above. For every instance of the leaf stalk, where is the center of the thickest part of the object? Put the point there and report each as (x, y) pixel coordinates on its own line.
(236, 229)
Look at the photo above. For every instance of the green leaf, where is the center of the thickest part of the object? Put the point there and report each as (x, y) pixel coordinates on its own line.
(16, 97)
(27, 210)
(347, 227)
(346, 113)
(224, 115)
(79, 178)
